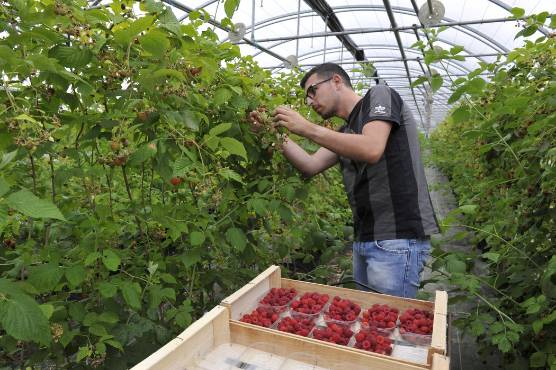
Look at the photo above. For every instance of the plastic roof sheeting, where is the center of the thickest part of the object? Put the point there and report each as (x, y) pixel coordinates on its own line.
(285, 28)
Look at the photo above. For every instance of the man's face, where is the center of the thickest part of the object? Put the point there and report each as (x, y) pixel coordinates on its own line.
(319, 94)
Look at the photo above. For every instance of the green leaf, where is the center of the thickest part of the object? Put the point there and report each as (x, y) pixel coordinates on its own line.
(457, 94)
(456, 49)
(110, 259)
(125, 35)
(196, 238)
(476, 86)
(91, 258)
(517, 12)
(168, 73)
(477, 328)
(167, 278)
(494, 257)
(114, 343)
(47, 310)
(233, 146)
(505, 345)
(552, 25)
(191, 257)
(76, 275)
(419, 81)
(229, 174)
(436, 82)
(221, 96)
(454, 265)
(237, 238)
(230, 7)
(468, 209)
(98, 330)
(259, 205)
(27, 203)
(142, 154)
(537, 326)
(7, 158)
(221, 128)
(537, 359)
(461, 114)
(107, 290)
(285, 213)
(82, 353)
(4, 186)
(108, 317)
(183, 317)
(155, 42)
(45, 277)
(23, 319)
(73, 57)
(132, 294)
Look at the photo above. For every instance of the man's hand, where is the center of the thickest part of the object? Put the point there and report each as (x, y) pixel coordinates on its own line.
(292, 120)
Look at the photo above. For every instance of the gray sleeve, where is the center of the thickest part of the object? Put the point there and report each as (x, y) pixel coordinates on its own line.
(383, 104)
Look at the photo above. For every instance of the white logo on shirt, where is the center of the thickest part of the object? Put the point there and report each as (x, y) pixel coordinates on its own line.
(379, 109)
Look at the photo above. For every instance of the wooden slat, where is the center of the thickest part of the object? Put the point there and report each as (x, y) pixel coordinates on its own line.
(245, 299)
(284, 344)
(365, 299)
(440, 362)
(439, 326)
(194, 342)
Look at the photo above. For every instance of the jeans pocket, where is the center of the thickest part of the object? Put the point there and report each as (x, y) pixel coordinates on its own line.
(400, 246)
(387, 266)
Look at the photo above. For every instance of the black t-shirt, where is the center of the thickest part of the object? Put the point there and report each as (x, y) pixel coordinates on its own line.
(389, 199)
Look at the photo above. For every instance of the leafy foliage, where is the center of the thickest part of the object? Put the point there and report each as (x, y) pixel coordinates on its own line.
(498, 149)
(133, 194)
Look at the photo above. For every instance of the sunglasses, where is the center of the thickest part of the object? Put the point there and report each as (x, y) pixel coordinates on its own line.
(312, 90)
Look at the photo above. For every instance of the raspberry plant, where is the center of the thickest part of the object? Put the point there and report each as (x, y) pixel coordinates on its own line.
(133, 194)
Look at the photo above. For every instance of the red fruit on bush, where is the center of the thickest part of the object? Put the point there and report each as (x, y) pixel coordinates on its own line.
(176, 181)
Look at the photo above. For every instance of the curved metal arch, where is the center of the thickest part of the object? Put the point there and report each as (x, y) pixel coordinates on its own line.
(401, 10)
(378, 47)
(386, 47)
(405, 31)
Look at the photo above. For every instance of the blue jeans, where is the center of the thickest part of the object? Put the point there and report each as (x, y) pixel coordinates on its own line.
(391, 266)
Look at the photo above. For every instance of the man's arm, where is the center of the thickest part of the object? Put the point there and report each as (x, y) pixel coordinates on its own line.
(308, 164)
(368, 147)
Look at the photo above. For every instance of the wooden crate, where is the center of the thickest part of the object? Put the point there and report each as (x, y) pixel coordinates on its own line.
(221, 326)
(245, 299)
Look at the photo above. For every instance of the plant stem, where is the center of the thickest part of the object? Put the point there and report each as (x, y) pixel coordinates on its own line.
(131, 199)
(497, 237)
(33, 174)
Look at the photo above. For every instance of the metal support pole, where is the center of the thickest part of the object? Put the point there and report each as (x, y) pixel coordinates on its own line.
(325, 38)
(298, 27)
(215, 23)
(429, 2)
(253, 20)
(401, 28)
(391, 60)
(388, 8)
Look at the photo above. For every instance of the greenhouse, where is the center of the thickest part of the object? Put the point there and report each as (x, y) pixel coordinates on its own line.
(263, 184)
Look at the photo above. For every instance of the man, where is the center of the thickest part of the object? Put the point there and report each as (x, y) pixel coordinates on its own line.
(378, 150)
